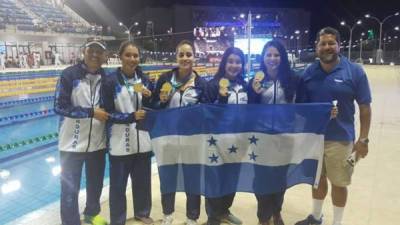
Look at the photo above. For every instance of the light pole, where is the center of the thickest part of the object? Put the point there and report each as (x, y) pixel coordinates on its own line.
(291, 44)
(249, 26)
(379, 53)
(385, 41)
(297, 32)
(299, 36)
(128, 29)
(359, 22)
(299, 42)
(361, 45)
(286, 41)
(397, 28)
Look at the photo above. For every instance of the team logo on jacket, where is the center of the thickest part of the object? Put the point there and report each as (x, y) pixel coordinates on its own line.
(76, 133)
(338, 81)
(243, 100)
(127, 145)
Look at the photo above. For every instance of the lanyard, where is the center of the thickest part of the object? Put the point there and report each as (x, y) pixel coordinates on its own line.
(176, 84)
(130, 89)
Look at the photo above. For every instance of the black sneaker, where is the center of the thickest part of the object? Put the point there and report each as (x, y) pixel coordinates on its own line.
(310, 220)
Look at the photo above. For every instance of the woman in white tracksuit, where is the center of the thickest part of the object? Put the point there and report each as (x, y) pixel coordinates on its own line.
(234, 91)
(125, 92)
(186, 88)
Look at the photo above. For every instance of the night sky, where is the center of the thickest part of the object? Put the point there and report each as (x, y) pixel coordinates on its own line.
(323, 12)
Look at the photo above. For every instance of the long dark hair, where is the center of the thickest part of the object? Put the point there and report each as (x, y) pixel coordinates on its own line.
(285, 74)
(221, 69)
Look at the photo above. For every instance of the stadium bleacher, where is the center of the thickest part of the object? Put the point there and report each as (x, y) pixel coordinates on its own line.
(54, 17)
(49, 17)
(11, 14)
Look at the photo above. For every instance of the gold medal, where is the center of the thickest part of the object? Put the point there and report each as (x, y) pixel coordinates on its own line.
(166, 87)
(259, 76)
(138, 87)
(152, 77)
(223, 83)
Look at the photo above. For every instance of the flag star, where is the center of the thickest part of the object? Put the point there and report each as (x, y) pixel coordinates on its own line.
(233, 149)
(253, 156)
(213, 158)
(253, 140)
(212, 141)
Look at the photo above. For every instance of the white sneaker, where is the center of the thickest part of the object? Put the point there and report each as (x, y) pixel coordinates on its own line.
(167, 220)
(191, 222)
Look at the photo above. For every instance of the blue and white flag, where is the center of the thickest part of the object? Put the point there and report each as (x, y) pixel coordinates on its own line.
(214, 150)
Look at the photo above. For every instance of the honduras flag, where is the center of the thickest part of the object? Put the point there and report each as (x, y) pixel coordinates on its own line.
(214, 150)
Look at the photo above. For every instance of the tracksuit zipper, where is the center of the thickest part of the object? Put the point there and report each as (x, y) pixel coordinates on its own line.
(237, 97)
(275, 92)
(92, 99)
(180, 99)
(137, 131)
